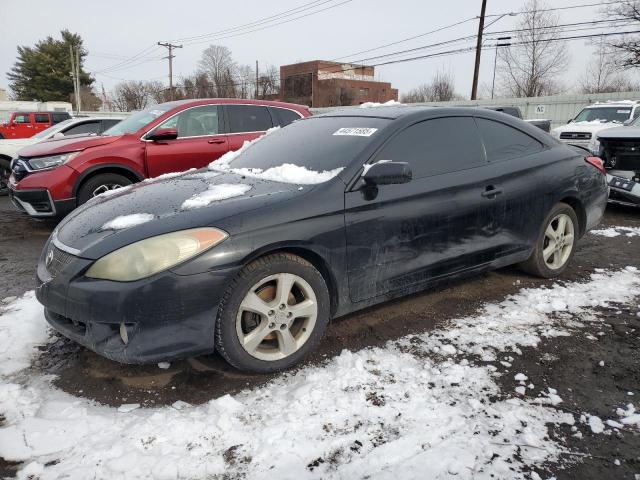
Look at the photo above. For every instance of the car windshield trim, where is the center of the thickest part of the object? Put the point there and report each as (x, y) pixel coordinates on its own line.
(138, 120)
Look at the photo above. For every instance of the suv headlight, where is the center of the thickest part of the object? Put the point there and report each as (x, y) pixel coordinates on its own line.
(594, 146)
(152, 255)
(41, 163)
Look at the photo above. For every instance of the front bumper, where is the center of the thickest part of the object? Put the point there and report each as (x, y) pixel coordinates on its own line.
(621, 195)
(39, 203)
(165, 316)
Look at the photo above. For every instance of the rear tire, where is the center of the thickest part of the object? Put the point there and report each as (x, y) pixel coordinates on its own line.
(5, 172)
(272, 314)
(101, 183)
(555, 244)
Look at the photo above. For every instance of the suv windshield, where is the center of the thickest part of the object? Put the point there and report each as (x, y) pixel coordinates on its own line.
(604, 114)
(317, 144)
(138, 120)
(53, 129)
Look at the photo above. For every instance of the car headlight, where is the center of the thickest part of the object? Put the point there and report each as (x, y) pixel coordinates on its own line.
(152, 255)
(41, 163)
(594, 146)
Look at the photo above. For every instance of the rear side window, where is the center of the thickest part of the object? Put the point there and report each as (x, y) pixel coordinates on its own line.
(83, 128)
(437, 146)
(60, 117)
(248, 118)
(42, 117)
(109, 122)
(283, 117)
(502, 142)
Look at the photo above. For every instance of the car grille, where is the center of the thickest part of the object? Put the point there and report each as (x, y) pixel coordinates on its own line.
(622, 154)
(57, 260)
(575, 136)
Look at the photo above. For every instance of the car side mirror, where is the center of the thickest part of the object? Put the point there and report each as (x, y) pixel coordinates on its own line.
(387, 173)
(58, 135)
(163, 134)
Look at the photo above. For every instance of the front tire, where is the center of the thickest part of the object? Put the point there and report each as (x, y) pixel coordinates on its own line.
(273, 314)
(555, 244)
(99, 184)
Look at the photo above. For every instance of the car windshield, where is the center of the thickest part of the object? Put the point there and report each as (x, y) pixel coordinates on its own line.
(138, 120)
(604, 114)
(53, 129)
(317, 144)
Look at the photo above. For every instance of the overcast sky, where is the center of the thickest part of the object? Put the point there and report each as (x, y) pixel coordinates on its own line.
(117, 30)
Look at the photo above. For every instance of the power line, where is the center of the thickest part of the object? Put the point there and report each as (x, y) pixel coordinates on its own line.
(170, 47)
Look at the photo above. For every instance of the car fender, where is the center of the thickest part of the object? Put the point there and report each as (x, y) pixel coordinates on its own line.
(126, 169)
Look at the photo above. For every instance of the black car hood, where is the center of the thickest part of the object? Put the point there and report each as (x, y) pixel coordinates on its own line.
(629, 133)
(83, 229)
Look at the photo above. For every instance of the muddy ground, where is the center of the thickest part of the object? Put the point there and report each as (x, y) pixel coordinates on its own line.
(568, 364)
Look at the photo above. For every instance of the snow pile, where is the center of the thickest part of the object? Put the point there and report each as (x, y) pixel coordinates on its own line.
(289, 173)
(215, 193)
(20, 333)
(629, 416)
(390, 103)
(617, 231)
(127, 221)
(408, 410)
(232, 154)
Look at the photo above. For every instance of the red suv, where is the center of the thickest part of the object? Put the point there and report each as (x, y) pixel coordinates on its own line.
(27, 124)
(51, 178)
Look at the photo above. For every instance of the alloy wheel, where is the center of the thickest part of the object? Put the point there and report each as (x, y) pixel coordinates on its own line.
(105, 188)
(276, 316)
(559, 238)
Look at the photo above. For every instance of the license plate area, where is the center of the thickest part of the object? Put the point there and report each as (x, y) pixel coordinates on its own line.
(622, 183)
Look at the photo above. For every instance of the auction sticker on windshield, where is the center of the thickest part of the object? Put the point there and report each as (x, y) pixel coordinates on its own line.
(356, 131)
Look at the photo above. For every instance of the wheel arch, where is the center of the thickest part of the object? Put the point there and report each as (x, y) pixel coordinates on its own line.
(119, 169)
(575, 203)
(310, 255)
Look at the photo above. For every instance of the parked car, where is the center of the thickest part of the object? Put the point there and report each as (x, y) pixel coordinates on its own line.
(52, 178)
(584, 127)
(327, 216)
(27, 124)
(619, 148)
(542, 124)
(72, 126)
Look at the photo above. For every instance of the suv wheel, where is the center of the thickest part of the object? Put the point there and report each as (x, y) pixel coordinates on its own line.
(100, 184)
(272, 314)
(555, 245)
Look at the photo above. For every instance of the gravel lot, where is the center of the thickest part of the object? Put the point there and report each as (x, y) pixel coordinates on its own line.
(569, 364)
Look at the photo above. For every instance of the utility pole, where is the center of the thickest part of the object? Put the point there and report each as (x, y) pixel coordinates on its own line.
(170, 46)
(495, 61)
(78, 99)
(75, 76)
(476, 70)
(256, 79)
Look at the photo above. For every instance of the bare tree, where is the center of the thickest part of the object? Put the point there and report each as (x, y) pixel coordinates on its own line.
(135, 95)
(220, 68)
(531, 66)
(601, 75)
(441, 88)
(269, 82)
(246, 78)
(626, 49)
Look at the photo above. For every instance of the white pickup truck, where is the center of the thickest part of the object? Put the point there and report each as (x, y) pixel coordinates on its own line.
(583, 129)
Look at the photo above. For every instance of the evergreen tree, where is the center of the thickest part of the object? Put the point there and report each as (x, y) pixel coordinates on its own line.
(43, 72)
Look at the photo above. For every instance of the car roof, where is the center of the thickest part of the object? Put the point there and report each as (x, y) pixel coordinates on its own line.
(627, 103)
(390, 112)
(243, 101)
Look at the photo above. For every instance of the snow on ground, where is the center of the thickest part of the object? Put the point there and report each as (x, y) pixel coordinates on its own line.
(289, 173)
(390, 103)
(215, 193)
(617, 231)
(418, 408)
(127, 221)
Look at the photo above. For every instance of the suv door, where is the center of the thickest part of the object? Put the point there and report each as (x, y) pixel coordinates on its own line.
(401, 236)
(22, 126)
(200, 141)
(516, 165)
(42, 121)
(246, 122)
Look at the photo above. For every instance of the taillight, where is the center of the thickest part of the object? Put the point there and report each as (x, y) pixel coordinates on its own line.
(596, 162)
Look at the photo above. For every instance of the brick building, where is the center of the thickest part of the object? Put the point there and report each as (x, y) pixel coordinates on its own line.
(325, 84)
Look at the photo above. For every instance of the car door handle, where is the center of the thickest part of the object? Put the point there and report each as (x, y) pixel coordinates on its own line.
(216, 140)
(491, 192)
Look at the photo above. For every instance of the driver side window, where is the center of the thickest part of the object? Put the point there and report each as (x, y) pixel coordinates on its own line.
(195, 122)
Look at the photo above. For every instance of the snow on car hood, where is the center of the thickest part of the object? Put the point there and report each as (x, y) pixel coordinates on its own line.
(191, 200)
